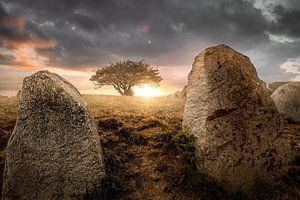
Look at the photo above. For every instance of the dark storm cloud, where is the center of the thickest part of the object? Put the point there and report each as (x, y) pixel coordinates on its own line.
(12, 29)
(287, 22)
(94, 32)
(14, 35)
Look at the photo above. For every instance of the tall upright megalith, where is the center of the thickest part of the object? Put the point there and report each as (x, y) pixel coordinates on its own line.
(54, 151)
(236, 124)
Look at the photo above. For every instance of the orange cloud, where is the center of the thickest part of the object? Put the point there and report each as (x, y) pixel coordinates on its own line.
(24, 54)
(19, 45)
(25, 57)
(16, 23)
(35, 43)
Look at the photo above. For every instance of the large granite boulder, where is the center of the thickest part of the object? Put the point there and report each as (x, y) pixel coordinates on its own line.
(236, 124)
(54, 151)
(287, 100)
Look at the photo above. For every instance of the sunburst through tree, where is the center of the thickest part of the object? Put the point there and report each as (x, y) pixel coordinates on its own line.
(123, 76)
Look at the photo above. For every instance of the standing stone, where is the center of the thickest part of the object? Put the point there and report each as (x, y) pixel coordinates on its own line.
(235, 122)
(184, 92)
(54, 151)
(287, 100)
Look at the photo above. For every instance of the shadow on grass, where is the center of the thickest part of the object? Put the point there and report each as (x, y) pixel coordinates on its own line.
(111, 187)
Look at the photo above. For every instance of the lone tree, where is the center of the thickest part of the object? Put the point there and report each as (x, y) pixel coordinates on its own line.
(124, 75)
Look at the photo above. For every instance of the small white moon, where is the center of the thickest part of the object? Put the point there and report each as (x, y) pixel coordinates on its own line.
(149, 41)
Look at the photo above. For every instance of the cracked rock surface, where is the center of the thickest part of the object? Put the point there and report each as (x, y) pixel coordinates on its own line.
(54, 151)
(237, 126)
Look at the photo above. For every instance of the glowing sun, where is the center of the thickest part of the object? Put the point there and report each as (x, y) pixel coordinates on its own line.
(147, 91)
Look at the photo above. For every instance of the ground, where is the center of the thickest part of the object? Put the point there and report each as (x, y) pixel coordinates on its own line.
(146, 154)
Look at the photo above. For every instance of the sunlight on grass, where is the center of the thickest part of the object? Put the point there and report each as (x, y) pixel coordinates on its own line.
(148, 91)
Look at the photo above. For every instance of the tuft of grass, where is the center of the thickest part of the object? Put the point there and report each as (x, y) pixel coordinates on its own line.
(185, 144)
(149, 124)
(111, 186)
(189, 178)
(130, 135)
(109, 124)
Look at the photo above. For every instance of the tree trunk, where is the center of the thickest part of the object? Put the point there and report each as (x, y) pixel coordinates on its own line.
(128, 92)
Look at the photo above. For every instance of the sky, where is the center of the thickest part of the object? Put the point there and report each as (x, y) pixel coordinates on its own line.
(75, 37)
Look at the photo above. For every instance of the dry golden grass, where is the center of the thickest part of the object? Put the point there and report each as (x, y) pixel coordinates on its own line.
(142, 159)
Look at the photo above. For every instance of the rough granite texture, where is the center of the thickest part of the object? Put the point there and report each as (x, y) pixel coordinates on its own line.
(54, 151)
(287, 100)
(236, 124)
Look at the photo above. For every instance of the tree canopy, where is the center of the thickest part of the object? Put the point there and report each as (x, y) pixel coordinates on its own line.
(123, 76)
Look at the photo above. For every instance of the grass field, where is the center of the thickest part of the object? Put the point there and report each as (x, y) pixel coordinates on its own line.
(146, 155)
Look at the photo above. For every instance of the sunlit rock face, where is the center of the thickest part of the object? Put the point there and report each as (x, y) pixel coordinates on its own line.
(54, 151)
(236, 123)
(287, 100)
